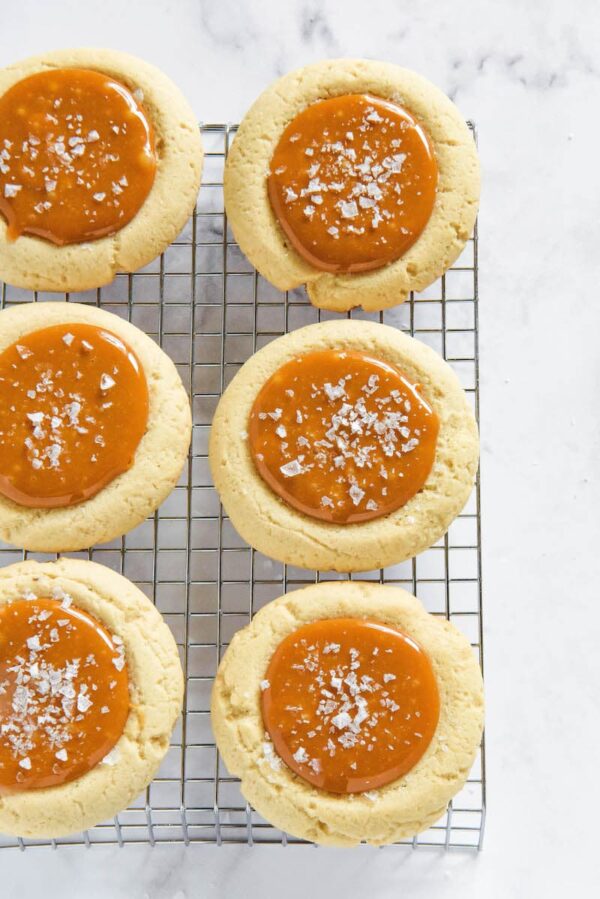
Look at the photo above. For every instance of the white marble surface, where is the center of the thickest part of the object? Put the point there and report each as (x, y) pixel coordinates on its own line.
(528, 73)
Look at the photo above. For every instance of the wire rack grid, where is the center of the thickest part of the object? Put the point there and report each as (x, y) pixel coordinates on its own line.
(210, 310)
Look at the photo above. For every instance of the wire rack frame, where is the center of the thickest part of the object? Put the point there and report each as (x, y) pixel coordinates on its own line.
(210, 310)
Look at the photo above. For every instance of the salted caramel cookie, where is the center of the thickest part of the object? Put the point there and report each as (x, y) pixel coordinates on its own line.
(91, 689)
(344, 445)
(100, 165)
(95, 426)
(349, 713)
(357, 178)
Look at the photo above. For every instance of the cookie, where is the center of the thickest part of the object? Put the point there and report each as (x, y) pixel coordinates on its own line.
(273, 200)
(275, 527)
(66, 695)
(97, 186)
(396, 810)
(96, 426)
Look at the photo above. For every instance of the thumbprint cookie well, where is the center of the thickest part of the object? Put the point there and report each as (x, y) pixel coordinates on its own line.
(352, 182)
(73, 409)
(342, 436)
(64, 696)
(349, 704)
(77, 156)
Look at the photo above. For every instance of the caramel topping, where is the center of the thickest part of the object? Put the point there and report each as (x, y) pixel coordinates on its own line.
(77, 156)
(349, 704)
(353, 182)
(73, 409)
(341, 436)
(64, 695)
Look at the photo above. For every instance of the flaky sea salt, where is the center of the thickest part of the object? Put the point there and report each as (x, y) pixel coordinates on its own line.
(291, 469)
(112, 757)
(269, 755)
(356, 494)
(106, 382)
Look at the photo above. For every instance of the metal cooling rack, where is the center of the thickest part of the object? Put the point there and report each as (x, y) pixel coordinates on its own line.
(209, 310)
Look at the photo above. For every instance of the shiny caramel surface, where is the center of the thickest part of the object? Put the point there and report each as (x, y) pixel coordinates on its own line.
(73, 409)
(64, 693)
(352, 182)
(349, 704)
(342, 436)
(77, 155)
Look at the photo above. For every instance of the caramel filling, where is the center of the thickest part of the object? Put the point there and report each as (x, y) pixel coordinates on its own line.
(349, 704)
(341, 436)
(352, 182)
(64, 695)
(77, 156)
(73, 409)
